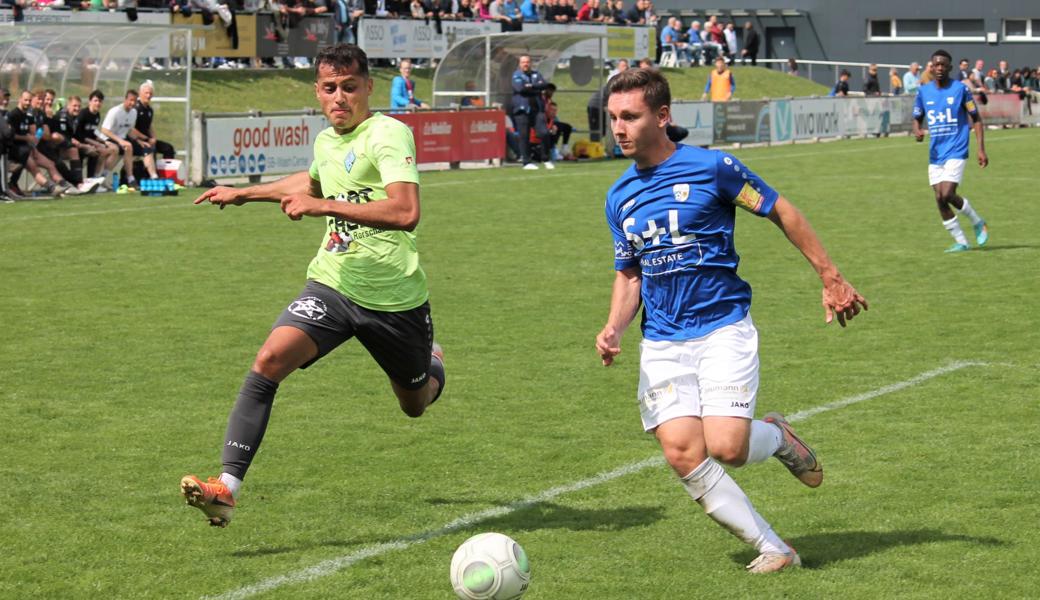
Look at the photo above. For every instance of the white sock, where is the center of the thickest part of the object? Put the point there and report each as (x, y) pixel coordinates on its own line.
(969, 212)
(729, 506)
(765, 441)
(954, 227)
(232, 482)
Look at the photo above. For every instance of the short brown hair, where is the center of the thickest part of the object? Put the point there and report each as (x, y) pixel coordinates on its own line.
(656, 92)
(341, 57)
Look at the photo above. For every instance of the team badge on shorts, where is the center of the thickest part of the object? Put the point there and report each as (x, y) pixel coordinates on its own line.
(309, 307)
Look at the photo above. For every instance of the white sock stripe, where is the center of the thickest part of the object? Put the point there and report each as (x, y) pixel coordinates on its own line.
(330, 566)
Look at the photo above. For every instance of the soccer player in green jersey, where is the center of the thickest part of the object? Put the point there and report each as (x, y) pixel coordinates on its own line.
(365, 282)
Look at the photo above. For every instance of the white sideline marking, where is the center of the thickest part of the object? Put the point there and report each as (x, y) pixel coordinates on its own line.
(330, 566)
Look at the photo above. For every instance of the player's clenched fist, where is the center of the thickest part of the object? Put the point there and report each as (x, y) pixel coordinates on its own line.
(298, 206)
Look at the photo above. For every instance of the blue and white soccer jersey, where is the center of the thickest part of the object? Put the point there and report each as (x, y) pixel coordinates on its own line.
(945, 112)
(674, 222)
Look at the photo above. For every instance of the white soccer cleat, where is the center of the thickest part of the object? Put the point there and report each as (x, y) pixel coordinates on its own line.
(549, 165)
(530, 167)
(772, 562)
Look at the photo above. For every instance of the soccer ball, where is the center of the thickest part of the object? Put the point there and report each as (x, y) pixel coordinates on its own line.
(490, 566)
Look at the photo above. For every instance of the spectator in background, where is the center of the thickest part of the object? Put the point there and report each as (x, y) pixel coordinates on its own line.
(646, 63)
(637, 14)
(979, 71)
(529, 11)
(618, 14)
(990, 81)
(670, 38)
(792, 66)
(842, 87)
(484, 10)
(22, 149)
(1003, 77)
(709, 49)
(116, 128)
(926, 76)
(963, 70)
(345, 16)
(565, 12)
(402, 89)
(465, 9)
(715, 34)
(556, 131)
(1017, 85)
(871, 85)
(43, 152)
(101, 157)
(143, 138)
(5, 101)
(417, 9)
(52, 143)
(528, 85)
(72, 149)
(721, 84)
(895, 82)
(911, 79)
(730, 33)
(749, 48)
(589, 12)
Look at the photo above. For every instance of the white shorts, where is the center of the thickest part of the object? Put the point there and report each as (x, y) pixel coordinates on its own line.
(714, 375)
(952, 170)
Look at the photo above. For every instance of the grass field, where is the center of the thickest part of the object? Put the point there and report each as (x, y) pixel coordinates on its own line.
(128, 324)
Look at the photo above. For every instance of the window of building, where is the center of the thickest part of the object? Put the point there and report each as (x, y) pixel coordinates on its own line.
(920, 30)
(881, 29)
(1022, 29)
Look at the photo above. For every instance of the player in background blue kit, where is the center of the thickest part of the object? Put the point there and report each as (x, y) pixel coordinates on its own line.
(672, 216)
(947, 105)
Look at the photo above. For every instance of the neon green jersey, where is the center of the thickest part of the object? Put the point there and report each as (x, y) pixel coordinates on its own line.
(376, 268)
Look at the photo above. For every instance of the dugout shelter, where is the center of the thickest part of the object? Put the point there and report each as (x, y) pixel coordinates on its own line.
(76, 58)
(482, 67)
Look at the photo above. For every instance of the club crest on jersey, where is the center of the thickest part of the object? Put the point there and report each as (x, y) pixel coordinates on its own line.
(348, 162)
(681, 191)
(949, 100)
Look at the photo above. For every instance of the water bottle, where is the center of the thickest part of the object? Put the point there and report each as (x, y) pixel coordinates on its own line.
(115, 180)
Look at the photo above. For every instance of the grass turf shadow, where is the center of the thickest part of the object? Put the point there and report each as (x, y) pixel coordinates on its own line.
(822, 549)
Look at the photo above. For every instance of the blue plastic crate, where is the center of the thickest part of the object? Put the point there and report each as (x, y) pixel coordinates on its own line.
(158, 187)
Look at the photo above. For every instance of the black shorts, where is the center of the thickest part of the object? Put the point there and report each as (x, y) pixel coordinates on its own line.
(140, 150)
(400, 342)
(19, 153)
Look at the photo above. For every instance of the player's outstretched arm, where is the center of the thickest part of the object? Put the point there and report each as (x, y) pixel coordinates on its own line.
(624, 303)
(274, 191)
(839, 297)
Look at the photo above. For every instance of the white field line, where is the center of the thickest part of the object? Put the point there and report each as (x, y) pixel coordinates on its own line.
(332, 565)
(565, 172)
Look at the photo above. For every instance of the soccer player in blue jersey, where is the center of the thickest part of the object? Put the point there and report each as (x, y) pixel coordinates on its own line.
(672, 215)
(947, 105)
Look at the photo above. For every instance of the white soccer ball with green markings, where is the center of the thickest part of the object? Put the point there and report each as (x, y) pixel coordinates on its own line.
(490, 566)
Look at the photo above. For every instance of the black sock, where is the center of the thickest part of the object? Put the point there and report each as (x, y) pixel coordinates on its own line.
(437, 372)
(77, 171)
(247, 423)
